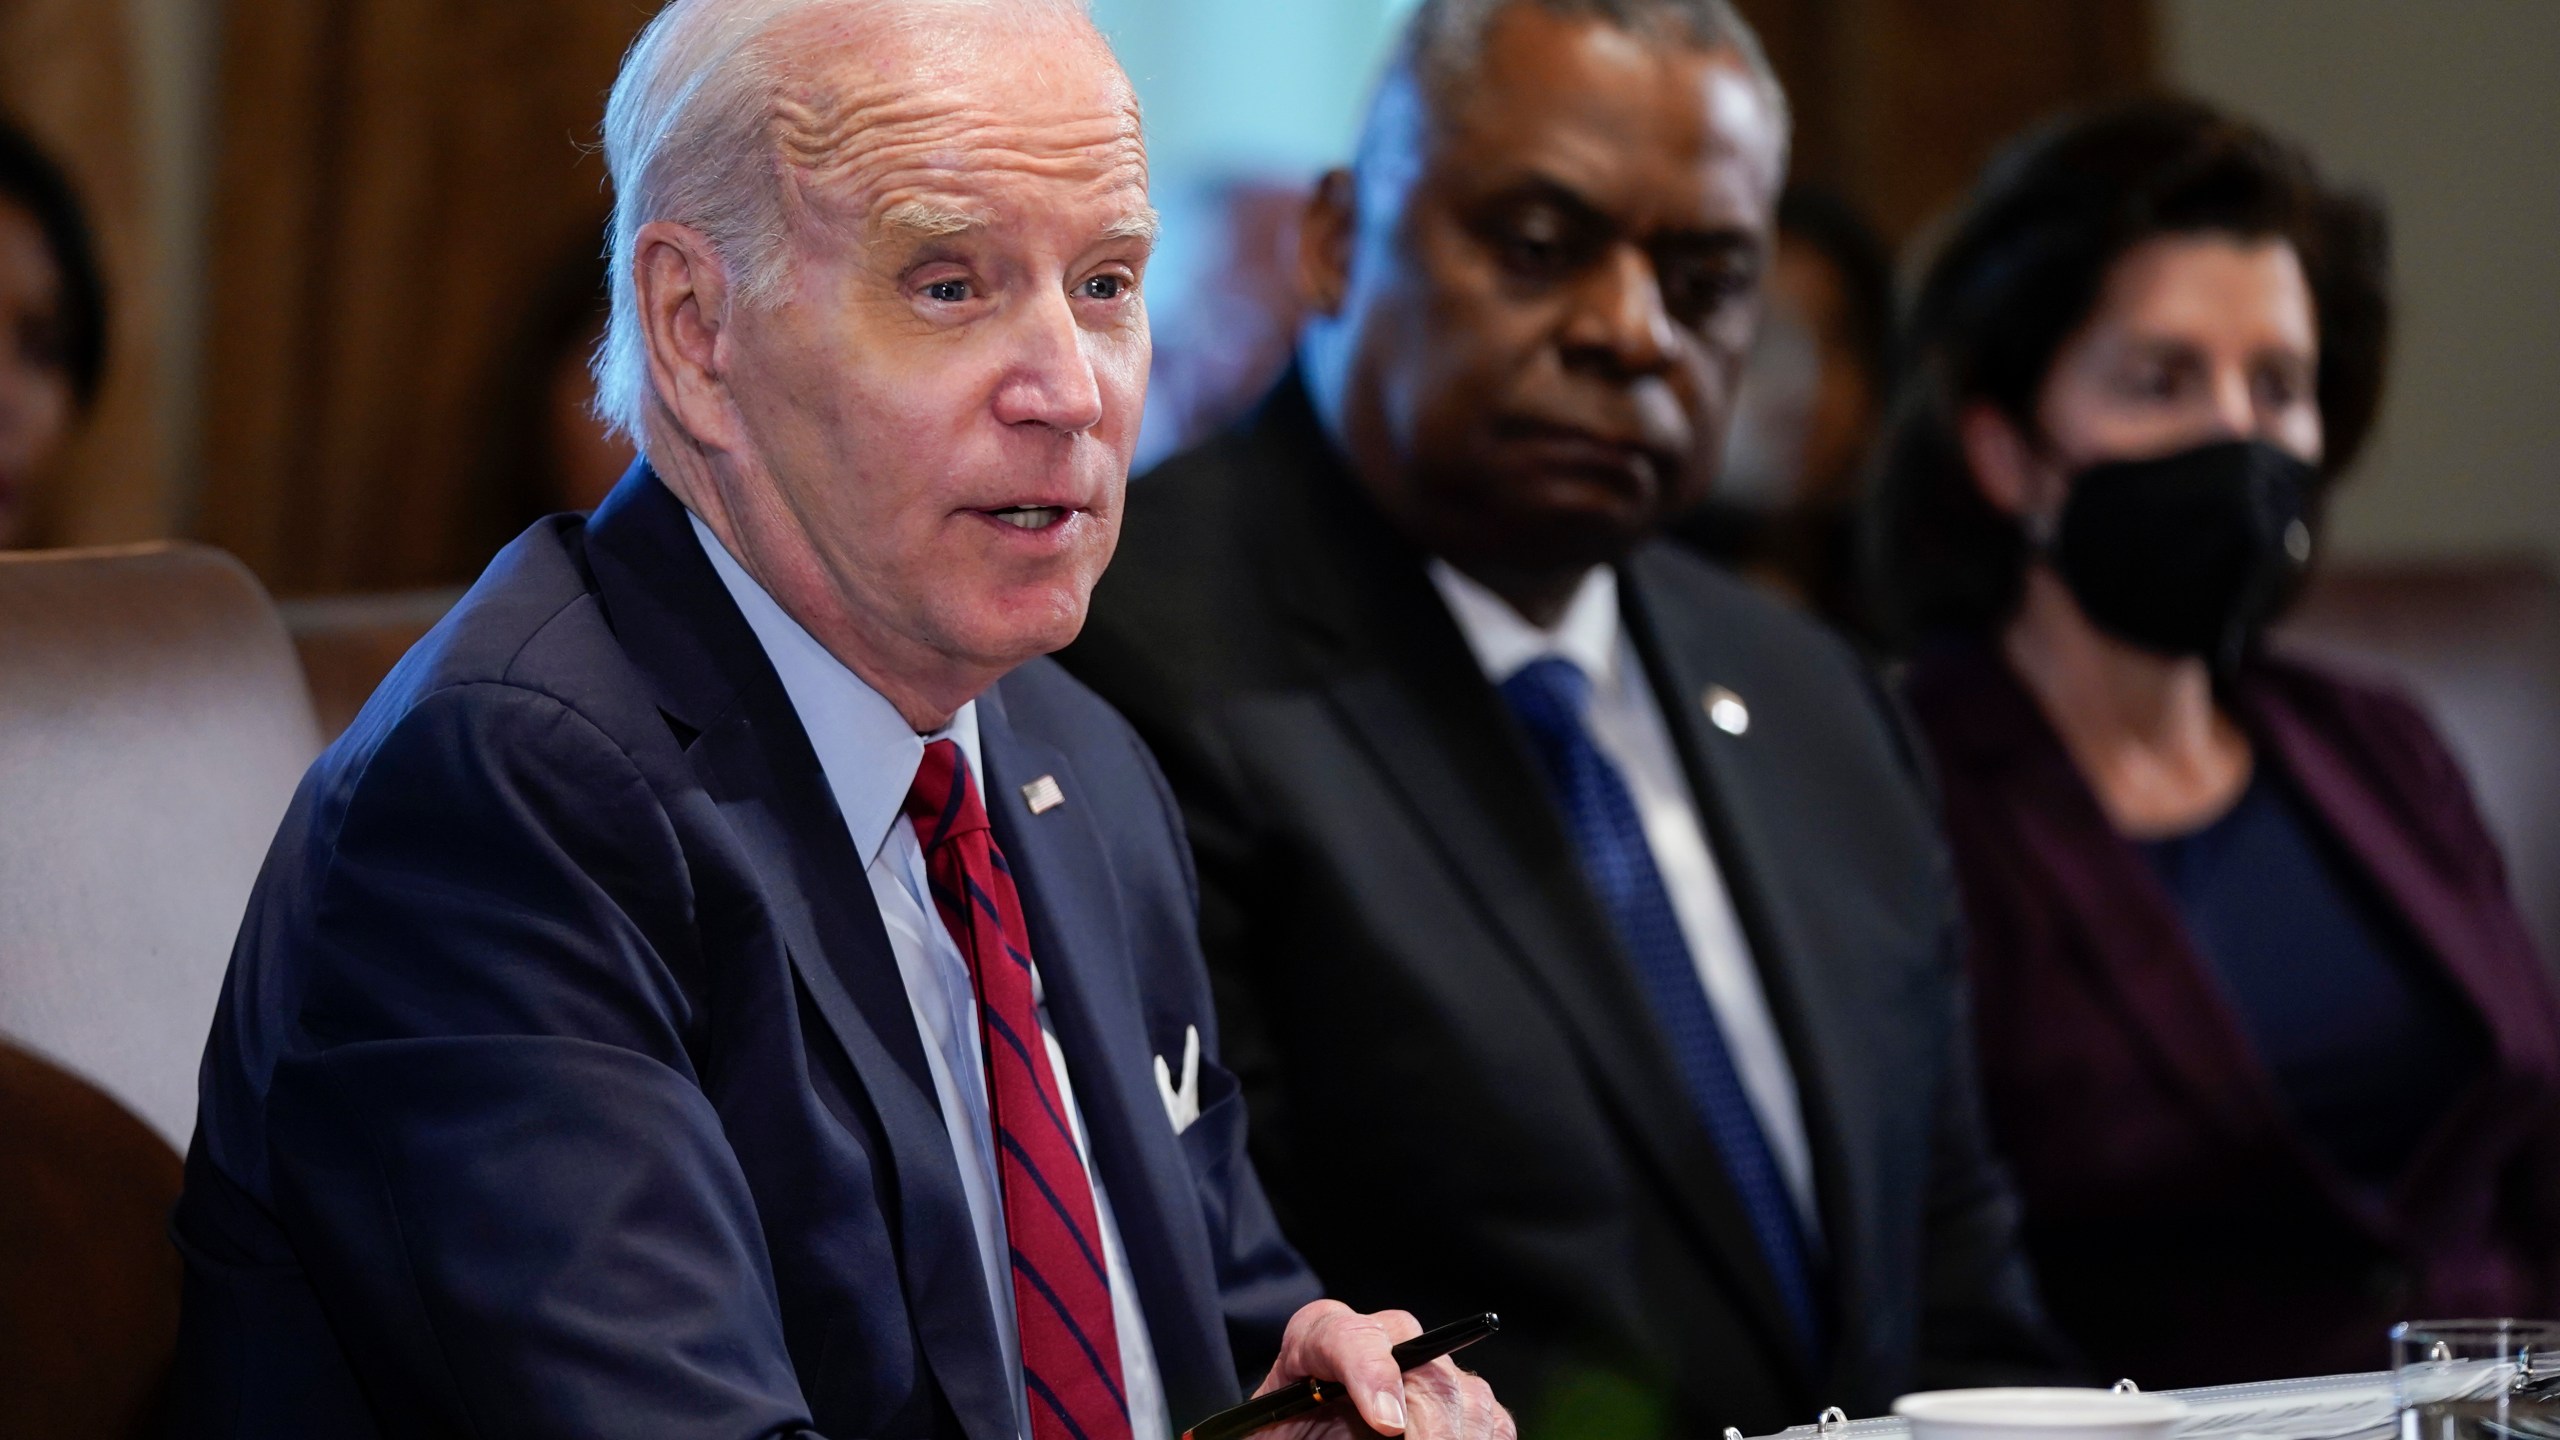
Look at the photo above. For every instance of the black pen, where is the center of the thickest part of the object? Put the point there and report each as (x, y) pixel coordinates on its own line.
(1291, 1401)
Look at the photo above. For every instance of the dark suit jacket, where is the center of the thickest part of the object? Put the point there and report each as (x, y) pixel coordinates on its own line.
(564, 1083)
(1461, 1101)
(2185, 1230)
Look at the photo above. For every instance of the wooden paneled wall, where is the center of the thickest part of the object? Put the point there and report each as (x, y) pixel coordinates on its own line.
(1898, 102)
(397, 180)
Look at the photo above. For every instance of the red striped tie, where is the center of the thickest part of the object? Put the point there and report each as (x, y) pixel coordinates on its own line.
(1061, 1293)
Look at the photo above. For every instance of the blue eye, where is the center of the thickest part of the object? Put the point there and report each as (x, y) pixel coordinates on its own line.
(948, 292)
(1105, 287)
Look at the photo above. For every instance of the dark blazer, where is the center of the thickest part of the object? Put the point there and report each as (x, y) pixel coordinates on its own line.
(2184, 1229)
(1461, 1101)
(564, 1083)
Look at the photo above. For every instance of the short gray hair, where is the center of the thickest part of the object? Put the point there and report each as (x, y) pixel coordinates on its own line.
(1444, 41)
(688, 137)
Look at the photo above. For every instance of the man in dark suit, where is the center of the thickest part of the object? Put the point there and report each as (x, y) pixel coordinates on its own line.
(717, 986)
(1578, 922)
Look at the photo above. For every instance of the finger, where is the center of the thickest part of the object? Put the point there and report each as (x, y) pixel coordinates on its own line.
(1465, 1411)
(1486, 1418)
(1290, 1366)
(1358, 1350)
(1394, 1328)
(1438, 1401)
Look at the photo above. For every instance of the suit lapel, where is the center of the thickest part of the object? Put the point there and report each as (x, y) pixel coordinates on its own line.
(1082, 946)
(2517, 1019)
(677, 623)
(2144, 953)
(1840, 1099)
(2141, 952)
(2383, 848)
(1400, 675)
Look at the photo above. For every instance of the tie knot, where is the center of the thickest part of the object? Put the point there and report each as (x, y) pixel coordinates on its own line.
(1549, 694)
(943, 801)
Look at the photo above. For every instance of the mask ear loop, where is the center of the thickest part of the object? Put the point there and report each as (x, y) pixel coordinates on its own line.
(2043, 527)
(2276, 589)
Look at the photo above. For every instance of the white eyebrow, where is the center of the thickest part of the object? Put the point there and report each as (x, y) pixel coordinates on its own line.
(922, 217)
(1143, 225)
(929, 220)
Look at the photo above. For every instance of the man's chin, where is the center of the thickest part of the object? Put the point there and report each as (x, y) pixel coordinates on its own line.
(1563, 539)
(1023, 626)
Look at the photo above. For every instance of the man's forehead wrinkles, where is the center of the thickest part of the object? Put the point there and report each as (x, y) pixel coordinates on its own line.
(946, 171)
(961, 157)
(819, 116)
(853, 143)
(818, 124)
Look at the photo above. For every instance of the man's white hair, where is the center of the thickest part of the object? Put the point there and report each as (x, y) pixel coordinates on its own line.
(688, 138)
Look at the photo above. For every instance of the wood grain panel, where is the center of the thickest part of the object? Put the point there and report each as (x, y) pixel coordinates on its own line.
(398, 179)
(1899, 102)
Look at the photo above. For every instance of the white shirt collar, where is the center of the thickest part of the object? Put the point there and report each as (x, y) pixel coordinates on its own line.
(868, 752)
(1586, 634)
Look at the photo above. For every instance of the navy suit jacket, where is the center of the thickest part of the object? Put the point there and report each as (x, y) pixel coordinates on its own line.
(564, 1083)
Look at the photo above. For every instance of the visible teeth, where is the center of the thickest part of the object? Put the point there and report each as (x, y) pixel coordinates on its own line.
(1030, 517)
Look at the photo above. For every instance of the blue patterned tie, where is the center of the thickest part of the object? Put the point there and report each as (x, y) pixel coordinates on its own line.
(1550, 696)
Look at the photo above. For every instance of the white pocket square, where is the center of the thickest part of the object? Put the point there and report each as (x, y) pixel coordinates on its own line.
(1182, 1102)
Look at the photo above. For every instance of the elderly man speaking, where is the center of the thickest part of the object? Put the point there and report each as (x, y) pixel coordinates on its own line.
(725, 984)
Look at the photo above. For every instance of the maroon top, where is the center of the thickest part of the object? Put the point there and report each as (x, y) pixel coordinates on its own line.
(2183, 1228)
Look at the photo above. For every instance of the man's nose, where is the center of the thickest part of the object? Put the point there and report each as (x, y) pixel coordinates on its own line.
(1619, 322)
(1051, 379)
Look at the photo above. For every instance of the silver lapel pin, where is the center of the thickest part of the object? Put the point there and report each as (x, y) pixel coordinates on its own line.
(1726, 710)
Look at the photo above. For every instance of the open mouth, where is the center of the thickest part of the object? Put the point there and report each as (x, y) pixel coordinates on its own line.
(1029, 517)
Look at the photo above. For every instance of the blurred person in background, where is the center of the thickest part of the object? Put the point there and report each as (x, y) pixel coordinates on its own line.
(1231, 332)
(2262, 1033)
(548, 452)
(53, 326)
(1582, 934)
(1784, 510)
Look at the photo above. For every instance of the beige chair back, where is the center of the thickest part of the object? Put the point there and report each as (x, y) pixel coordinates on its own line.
(153, 726)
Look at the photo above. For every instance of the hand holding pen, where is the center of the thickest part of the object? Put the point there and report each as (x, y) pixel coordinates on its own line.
(1331, 1352)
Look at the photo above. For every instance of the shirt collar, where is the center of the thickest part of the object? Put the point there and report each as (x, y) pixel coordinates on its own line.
(864, 745)
(1504, 643)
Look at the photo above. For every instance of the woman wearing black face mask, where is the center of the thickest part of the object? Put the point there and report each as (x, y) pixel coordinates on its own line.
(2261, 1033)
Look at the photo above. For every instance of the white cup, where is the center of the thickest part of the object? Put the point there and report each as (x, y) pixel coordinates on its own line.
(2039, 1413)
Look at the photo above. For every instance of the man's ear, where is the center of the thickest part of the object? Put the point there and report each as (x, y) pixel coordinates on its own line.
(683, 291)
(1325, 234)
(2003, 464)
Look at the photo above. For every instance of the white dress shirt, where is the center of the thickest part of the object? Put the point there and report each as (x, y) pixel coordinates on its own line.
(870, 759)
(1628, 727)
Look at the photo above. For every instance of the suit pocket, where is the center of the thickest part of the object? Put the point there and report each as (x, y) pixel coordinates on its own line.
(1215, 1142)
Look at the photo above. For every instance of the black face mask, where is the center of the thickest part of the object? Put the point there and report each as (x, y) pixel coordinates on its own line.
(2188, 554)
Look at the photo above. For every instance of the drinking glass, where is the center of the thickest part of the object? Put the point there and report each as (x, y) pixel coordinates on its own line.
(2477, 1379)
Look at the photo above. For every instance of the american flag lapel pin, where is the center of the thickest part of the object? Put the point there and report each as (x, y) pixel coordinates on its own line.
(1043, 795)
